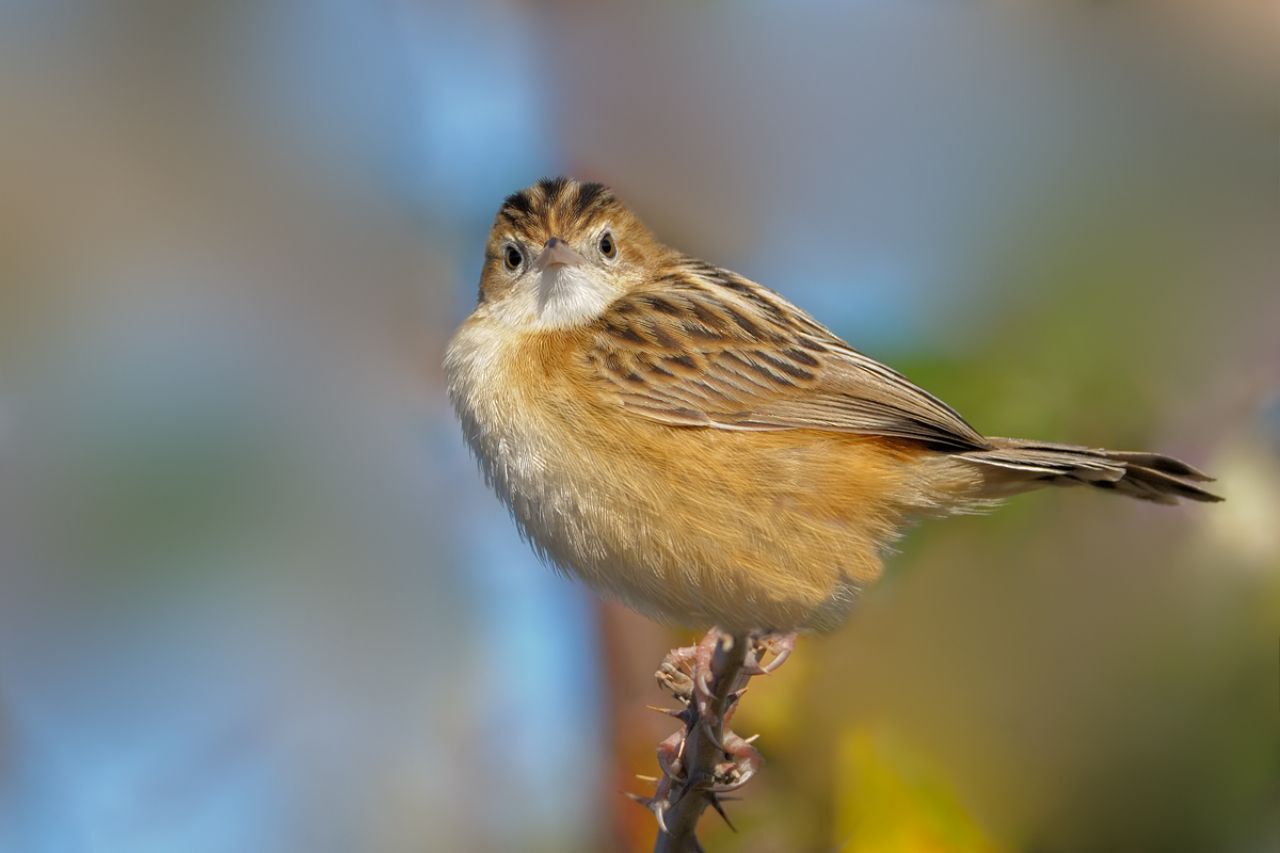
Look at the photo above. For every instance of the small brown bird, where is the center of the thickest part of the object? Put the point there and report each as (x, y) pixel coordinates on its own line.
(693, 444)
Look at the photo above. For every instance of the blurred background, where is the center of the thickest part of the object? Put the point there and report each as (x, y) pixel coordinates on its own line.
(255, 596)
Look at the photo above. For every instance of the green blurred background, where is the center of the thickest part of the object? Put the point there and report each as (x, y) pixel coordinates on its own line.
(254, 595)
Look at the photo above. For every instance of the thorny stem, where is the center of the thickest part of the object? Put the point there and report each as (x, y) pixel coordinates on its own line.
(705, 759)
(703, 753)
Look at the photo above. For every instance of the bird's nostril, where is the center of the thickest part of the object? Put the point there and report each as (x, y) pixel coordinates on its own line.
(551, 242)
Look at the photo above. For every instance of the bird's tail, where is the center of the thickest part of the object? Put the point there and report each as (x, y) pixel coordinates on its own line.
(1013, 465)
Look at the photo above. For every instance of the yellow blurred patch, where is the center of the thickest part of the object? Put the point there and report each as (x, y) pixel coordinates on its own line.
(888, 800)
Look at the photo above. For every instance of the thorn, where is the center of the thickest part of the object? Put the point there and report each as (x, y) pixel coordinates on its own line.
(755, 737)
(716, 804)
(658, 811)
(670, 767)
(644, 778)
(707, 731)
(670, 712)
(731, 702)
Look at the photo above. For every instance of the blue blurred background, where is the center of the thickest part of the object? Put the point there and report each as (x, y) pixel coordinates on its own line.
(254, 595)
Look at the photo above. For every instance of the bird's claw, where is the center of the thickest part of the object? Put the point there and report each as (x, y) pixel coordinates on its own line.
(779, 645)
(670, 751)
(675, 675)
(744, 761)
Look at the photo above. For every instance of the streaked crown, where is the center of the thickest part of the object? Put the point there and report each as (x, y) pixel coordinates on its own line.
(560, 251)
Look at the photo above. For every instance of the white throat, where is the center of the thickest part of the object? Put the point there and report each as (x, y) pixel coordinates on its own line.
(570, 295)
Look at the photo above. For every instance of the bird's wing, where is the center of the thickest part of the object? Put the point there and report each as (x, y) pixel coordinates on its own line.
(704, 347)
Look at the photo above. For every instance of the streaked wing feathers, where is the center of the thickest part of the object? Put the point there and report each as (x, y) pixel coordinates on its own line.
(705, 347)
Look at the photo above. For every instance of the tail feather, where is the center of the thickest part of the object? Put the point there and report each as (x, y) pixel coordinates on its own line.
(1020, 465)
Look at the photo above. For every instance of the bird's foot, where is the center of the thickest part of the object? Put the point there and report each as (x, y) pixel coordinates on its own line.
(743, 760)
(688, 672)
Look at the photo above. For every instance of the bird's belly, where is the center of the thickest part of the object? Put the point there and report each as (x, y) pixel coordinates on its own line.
(700, 528)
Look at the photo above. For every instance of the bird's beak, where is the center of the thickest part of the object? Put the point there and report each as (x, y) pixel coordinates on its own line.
(557, 253)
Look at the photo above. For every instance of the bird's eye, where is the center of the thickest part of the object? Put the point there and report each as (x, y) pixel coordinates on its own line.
(608, 248)
(513, 257)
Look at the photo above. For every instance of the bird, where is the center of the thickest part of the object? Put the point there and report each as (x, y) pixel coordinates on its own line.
(691, 443)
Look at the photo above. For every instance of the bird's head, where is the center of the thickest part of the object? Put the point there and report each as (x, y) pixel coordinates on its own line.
(560, 252)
